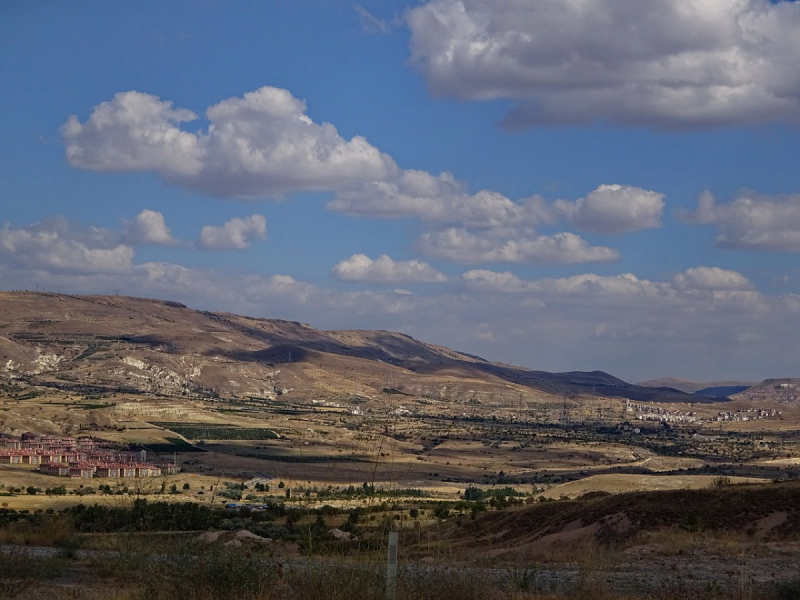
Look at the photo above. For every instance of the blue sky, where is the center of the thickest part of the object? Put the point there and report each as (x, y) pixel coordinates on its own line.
(594, 134)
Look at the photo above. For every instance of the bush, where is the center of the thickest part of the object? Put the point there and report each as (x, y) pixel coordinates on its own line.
(19, 573)
(210, 571)
(441, 512)
(231, 494)
(788, 590)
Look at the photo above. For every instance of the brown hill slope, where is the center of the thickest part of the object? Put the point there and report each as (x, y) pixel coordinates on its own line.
(769, 511)
(785, 391)
(143, 345)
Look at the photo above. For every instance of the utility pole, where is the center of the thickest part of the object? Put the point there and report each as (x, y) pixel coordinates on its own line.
(391, 567)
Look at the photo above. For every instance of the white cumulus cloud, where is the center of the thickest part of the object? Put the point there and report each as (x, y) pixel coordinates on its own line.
(134, 132)
(236, 234)
(461, 245)
(659, 63)
(613, 209)
(751, 221)
(711, 278)
(438, 199)
(443, 200)
(264, 144)
(260, 145)
(58, 246)
(384, 269)
(707, 287)
(148, 227)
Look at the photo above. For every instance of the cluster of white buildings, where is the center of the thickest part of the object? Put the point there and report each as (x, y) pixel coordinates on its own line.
(82, 458)
(647, 412)
(748, 414)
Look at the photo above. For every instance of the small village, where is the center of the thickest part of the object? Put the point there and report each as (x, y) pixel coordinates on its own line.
(648, 412)
(748, 414)
(79, 458)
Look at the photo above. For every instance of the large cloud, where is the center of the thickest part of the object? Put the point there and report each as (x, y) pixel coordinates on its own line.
(437, 200)
(236, 234)
(264, 144)
(751, 221)
(626, 284)
(641, 309)
(689, 285)
(260, 145)
(711, 278)
(59, 246)
(443, 200)
(614, 209)
(134, 132)
(384, 269)
(514, 246)
(660, 63)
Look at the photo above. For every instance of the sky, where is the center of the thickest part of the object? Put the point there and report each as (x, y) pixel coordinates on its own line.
(558, 184)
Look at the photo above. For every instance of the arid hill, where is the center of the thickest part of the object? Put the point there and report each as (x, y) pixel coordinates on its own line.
(785, 391)
(141, 345)
(761, 511)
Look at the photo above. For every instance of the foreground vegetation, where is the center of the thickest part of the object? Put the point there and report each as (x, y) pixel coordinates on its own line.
(146, 570)
(683, 545)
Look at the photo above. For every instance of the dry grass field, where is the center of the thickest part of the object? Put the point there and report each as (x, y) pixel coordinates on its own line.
(315, 446)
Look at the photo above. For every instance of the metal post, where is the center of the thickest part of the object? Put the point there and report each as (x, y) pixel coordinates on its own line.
(391, 567)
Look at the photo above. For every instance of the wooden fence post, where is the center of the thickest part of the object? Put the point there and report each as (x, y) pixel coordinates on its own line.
(391, 567)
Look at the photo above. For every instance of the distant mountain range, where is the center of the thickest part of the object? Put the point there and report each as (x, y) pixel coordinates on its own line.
(785, 391)
(85, 343)
(694, 387)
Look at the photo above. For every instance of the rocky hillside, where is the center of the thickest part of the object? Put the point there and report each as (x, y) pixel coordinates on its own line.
(141, 345)
(783, 391)
(770, 511)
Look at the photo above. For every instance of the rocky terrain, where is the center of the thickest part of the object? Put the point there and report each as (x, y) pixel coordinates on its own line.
(782, 391)
(163, 348)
